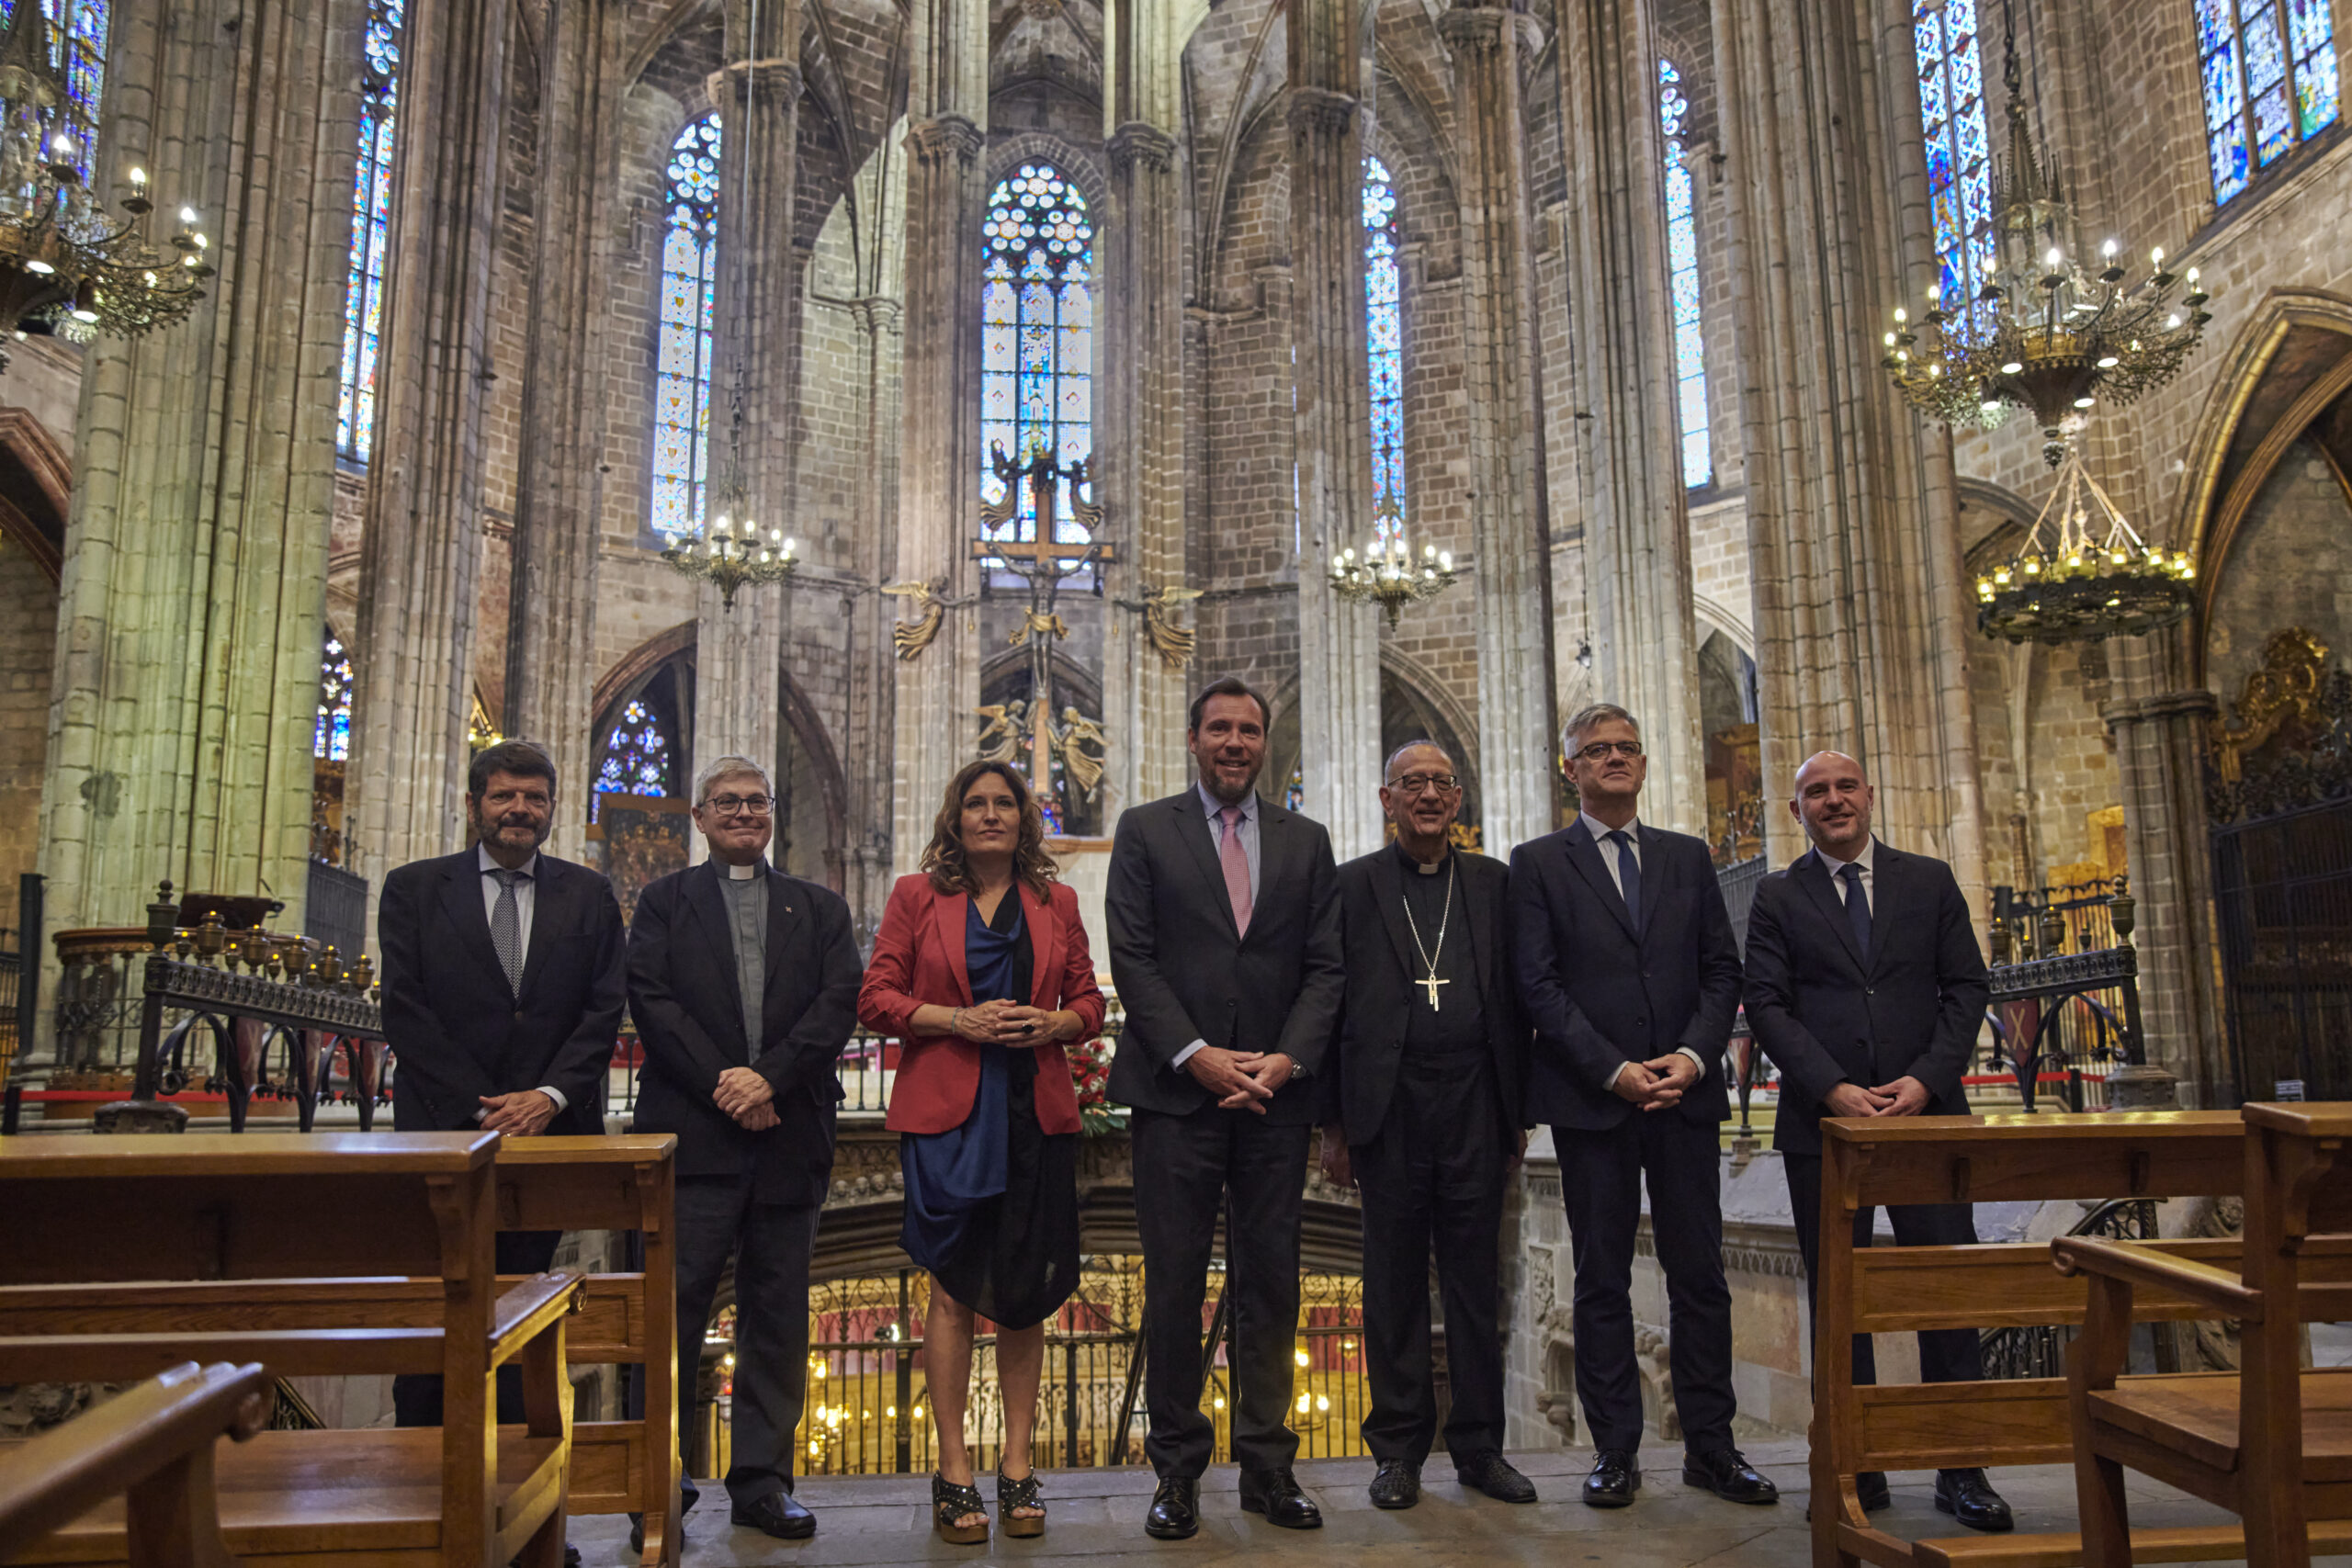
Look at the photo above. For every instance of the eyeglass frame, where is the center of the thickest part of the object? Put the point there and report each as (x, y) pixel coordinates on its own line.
(1414, 785)
(740, 805)
(1601, 750)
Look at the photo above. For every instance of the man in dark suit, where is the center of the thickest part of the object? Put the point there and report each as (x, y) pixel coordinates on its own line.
(1866, 987)
(1224, 945)
(1421, 1111)
(742, 983)
(1630, 975)
(503, 991)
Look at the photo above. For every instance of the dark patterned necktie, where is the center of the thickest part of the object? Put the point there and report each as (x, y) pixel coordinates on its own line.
(1858, 907)
(1629, 877)
(506, 927)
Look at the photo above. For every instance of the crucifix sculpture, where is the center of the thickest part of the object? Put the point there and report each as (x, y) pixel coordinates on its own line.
(1042, 562)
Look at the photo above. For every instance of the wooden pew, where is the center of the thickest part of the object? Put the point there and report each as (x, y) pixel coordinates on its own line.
(1872, 1162)
(620, 1183)
(2272, 1443)
(329, 1254)
(152, 1445)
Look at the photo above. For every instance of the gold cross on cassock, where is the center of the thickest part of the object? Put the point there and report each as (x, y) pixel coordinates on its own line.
(1431, 986)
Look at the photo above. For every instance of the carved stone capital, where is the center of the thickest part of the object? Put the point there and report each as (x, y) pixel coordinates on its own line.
(949, 137)
(1318, 111)
(732, 82)
(2198, 706)
(1482, 29)
(875, 314)
(1138, 145)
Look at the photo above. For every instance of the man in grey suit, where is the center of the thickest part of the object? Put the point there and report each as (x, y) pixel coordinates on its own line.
(1224, 946)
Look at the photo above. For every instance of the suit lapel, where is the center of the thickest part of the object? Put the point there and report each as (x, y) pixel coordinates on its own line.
(1482, 932)
(1813, 873)
(1585, 855)
(1198, 834)
(1658, 871)
(1388, 891)
(548, 891)
(1886, 879)
(947, 917)
(709, 906)
(1045, 944)
(461, 899)
(784, 915)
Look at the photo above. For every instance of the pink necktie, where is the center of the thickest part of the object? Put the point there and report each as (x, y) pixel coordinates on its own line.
(1236, 862)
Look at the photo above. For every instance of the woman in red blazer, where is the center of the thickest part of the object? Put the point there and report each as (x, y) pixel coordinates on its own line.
(981, 970)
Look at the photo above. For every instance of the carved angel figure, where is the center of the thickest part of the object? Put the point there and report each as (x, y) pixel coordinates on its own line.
(1001, 738)
(996, 514)
(911, 637)
(1084, 766)
(1172, 642)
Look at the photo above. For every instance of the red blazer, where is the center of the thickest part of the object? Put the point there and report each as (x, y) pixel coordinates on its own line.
(919, 961)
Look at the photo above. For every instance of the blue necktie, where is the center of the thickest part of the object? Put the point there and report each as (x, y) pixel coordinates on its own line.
(1858, 907)
(1629, 877)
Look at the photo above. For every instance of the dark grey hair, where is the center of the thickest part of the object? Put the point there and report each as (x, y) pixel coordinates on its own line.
(1584, 721)
(727, 768)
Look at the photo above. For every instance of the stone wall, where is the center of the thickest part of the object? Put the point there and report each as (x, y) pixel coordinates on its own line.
(2290, 565)
(27, 650)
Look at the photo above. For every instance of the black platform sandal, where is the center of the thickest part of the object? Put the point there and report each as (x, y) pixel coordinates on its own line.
(1021, 1493)
(949, 1503)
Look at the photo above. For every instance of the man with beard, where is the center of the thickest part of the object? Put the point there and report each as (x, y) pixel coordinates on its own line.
(1224, 945)
(1866, 987)
(503, 991)
(1422, 1110)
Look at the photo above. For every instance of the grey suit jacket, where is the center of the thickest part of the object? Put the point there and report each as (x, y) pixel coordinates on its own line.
(1184, 972)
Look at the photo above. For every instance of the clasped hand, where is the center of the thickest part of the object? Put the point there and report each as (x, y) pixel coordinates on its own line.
(1239, 1079)
(1906, 1095)
(747, 1097)
(1657, 1083)
(1004, 1023)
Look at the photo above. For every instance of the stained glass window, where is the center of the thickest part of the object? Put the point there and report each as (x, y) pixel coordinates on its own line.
(1036, 338)
(682, 353)
(637, 754)
(372, 221)
(331, 741)
(77, 47)
(1960, 168)
(1385, 323)
(2270, 81)
(1683, 279)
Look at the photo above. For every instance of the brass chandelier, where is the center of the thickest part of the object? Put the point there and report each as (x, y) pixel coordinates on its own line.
(2084, 574)
(1387, 575)
(730, 553)
(2043, 332)
(64, 261)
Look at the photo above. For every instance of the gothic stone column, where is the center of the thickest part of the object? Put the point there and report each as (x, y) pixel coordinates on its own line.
(422, 557)
(1515, 721)
(2160, 754)
(185, 683)
(1339, 654)
(1635, 507)
(1861, 604)
(550, 662)
(739, 653)
(939, 431)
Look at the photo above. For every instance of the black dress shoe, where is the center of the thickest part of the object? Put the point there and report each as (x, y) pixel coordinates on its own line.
(1175, 1509)
(1276, 1494)
(1727, 1474)
(1398, 1484)
(1487, 1470)
(1870, 1485)
(1967, 1497)
(1614, 1479)
(778, 1515)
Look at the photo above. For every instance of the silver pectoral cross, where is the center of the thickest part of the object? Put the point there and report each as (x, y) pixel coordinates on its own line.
(1430, 985)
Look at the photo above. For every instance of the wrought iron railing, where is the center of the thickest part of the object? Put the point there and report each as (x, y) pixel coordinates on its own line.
(2038, 1350)
(2063, 1016)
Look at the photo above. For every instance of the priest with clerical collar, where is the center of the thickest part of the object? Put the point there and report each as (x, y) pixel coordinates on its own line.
(1422, 1114)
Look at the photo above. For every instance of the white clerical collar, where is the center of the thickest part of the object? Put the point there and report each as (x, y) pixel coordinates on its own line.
(744, 873)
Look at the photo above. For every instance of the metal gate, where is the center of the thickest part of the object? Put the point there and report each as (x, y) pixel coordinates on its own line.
(2282, 898)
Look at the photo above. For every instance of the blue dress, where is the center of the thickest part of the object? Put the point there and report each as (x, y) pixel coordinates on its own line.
(991, 1206)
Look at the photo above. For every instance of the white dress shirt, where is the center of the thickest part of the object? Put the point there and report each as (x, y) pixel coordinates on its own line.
(1248, 827)
(1609, 853)
(525, 897)
(1869, 886)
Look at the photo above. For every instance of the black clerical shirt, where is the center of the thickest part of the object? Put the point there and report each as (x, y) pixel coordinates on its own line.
(1455, 1027)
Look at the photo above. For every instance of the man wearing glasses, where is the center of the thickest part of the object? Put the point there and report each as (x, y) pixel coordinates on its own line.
(1629, 975)
(742, 983)
(1421, 1111)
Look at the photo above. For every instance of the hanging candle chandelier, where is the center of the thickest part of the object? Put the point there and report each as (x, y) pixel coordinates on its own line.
(2084, 574)
(1386, 574)
(730, 552)
(65, 263)
(2041, 330)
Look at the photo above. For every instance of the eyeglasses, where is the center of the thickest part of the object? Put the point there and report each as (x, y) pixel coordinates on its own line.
(1600, 749)
(748, 805)
(1422, 784)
